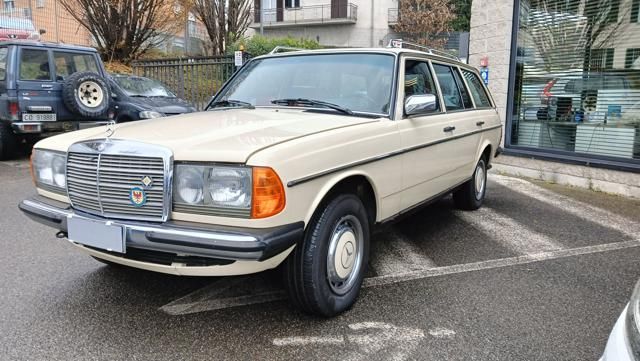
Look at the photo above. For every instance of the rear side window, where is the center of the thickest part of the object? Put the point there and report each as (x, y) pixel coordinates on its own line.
(466, 99)
(477, 90)
(3, 63)
(34, 65)
(69, 63)
(449, 88)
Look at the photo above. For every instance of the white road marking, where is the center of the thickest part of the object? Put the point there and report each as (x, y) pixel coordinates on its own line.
(442, 333)
(398, 255)
(385, 340)
(201, 301)
(308, 340)
(499, 263)
(513, 235)
(583, 210)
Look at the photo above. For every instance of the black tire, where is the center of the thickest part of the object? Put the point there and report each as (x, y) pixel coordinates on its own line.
(8, 142)
(86, 94)
(468, 196)
(308, 277)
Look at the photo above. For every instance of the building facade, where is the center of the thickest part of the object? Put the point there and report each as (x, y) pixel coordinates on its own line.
(334, 23)
(565, 75)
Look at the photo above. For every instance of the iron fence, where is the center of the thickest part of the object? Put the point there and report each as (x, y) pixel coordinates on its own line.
(193, 79)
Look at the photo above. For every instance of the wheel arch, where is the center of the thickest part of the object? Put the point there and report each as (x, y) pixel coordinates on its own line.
(356, 182)
(485, 150)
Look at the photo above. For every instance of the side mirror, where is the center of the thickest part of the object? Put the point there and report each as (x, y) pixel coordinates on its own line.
(419, 104)
(114, 95)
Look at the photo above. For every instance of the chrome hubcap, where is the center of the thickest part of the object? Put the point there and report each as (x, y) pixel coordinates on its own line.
(90, 94)
(344, 260)
(480, 181)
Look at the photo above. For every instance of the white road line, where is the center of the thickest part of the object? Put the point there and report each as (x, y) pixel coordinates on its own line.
(583, 210)
(308, 340)
(499, 263)
(200, 305)
(398, 255)
(513, 235)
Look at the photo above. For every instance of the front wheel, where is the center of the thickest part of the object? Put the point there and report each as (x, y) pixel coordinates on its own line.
(326, 269)
(470, 195)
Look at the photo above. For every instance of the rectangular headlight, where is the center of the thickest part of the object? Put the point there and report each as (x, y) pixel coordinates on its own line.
(50, 170)
(213, 190)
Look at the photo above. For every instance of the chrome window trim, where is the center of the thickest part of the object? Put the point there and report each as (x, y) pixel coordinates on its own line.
(107, 146)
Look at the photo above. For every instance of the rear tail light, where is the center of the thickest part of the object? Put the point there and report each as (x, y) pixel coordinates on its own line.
(546, 91)
(14, 111)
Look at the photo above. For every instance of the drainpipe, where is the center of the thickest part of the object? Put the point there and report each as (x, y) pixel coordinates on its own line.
(373, 6)
(261, 17)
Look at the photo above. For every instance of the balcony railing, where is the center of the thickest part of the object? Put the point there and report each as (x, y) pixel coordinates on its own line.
(393, 16)
(336, 13)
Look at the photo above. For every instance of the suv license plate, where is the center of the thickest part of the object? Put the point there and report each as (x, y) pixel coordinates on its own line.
(98, 234)
(42, 117)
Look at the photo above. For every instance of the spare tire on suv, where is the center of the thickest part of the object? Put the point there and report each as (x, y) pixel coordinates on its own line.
(86, 94)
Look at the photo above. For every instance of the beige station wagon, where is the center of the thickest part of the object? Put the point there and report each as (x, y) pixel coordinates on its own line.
(298, 156)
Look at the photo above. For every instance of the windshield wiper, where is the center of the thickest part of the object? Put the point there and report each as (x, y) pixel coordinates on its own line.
(312, 102)
(232, 103)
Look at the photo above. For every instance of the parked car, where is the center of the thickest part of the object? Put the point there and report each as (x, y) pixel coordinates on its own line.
(48, 89)
(299, 155)
(624, 341)
(14, 28)
(137, 97)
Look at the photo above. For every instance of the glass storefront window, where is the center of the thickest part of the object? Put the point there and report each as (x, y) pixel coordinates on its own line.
(577, 78)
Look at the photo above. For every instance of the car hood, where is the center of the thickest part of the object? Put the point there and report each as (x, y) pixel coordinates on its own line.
(163, 105)
(223, 136)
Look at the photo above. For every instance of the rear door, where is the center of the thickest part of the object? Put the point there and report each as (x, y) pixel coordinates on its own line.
(35, 85)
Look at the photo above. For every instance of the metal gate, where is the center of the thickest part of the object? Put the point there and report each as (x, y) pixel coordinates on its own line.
(193, 79)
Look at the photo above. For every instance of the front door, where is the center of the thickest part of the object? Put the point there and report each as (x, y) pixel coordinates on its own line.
(426, 163)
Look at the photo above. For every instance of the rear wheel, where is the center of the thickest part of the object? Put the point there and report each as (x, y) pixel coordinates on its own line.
(326, 269)
(470, 195)
(8, 142)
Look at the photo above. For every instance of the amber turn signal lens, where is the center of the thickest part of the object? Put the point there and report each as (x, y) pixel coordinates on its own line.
(33, 175)
(268, 193)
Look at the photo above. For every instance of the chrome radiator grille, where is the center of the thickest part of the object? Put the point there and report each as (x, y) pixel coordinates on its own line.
(101, 184)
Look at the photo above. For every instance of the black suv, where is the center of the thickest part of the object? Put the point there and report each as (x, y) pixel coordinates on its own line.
(47, 89)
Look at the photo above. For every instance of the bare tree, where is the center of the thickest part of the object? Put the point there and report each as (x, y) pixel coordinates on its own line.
(225, 20)
(565, 35)
(125, 29)
(425, 21)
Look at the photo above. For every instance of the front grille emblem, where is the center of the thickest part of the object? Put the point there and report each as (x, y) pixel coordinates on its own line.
(137, 196)
(147, 182)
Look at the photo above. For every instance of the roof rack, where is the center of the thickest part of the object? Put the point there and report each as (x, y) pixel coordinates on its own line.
(283, 49)
(399, 43)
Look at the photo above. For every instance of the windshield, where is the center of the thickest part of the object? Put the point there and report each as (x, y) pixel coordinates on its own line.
(358, 82)
(143, 87)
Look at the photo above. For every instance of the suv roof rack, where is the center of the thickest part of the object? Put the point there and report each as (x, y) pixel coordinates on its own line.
(399, 43)
(283, 49)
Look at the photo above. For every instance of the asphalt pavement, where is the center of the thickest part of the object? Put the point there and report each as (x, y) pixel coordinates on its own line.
(540, 273)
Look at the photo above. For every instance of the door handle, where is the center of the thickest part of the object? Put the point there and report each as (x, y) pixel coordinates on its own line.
(46, 86)
(449, 129)
(481, 123)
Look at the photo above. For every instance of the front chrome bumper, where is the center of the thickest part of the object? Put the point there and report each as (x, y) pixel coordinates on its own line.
(183, 238)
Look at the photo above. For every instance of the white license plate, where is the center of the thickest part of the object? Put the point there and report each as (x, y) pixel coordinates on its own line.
(39, 117)
(98, 234)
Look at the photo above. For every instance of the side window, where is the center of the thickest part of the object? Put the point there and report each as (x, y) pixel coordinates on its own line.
(477, 90)
(34, 65)
(418, 81)
(3, 63)
(69, 63)
(466, 99)
(449, 88)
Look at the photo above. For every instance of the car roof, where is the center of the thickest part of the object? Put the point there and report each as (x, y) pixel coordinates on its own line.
(389, 50)
(46, 45)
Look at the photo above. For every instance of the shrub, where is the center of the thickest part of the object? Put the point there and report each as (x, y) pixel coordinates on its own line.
(260, 45)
